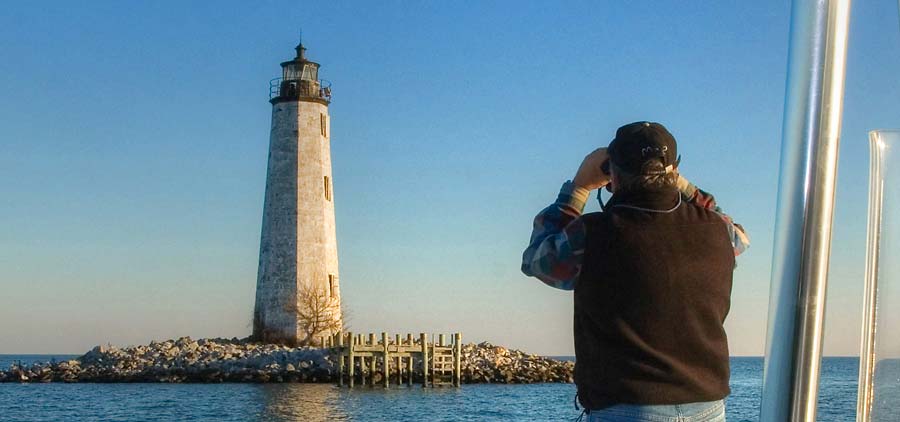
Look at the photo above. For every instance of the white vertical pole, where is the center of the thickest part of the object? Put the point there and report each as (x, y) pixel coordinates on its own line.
(810, 139)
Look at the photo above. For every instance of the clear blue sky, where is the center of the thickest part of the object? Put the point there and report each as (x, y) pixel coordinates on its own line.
(133, 144)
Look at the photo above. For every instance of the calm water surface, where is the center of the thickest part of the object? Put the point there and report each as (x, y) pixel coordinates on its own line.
(317, 402)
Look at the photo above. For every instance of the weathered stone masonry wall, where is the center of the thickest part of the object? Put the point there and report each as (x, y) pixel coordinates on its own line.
(298, 242)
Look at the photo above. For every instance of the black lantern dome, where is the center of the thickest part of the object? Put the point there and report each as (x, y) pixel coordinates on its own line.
(299, 81)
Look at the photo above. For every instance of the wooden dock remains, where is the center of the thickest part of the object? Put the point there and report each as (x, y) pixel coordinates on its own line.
(406, 360)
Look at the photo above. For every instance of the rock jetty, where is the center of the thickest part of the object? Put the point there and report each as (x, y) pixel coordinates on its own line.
(486, 363)
(237, 360)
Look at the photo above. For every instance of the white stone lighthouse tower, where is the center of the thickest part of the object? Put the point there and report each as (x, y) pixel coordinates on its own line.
(297, 290)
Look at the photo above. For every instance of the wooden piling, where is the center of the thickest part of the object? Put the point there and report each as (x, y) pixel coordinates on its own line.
(424, 340)
(457, 358)
(373, 343)
(362, 362)
(434, 358)
(386, 360)
(399, 346)
(409, 364)
(350, 361)
(340, 358)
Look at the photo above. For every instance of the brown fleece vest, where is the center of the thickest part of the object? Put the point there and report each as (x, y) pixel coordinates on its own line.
(650, 302)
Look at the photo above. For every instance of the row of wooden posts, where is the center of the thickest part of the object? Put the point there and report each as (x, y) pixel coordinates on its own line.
(440, 362)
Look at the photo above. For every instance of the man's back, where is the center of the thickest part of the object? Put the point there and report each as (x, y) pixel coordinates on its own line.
(650, 301)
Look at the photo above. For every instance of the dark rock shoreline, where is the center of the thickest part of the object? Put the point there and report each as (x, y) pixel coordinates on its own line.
(235, 360)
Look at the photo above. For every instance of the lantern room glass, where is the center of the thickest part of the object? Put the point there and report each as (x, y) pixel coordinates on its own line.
(306, 71)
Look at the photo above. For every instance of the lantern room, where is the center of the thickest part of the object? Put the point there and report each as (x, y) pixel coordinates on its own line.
(299, 81)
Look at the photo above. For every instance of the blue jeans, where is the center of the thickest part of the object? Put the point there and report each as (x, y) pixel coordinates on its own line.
(711, 411)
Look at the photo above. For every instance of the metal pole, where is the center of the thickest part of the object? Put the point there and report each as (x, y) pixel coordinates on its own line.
(809, 152)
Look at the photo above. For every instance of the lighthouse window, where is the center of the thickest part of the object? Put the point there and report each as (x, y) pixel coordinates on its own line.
(310, 72)
(323, 124)
(331, 279)
(291, 72)
(327, 188)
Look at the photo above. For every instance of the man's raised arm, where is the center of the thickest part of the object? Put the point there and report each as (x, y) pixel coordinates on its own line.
(556, 249)
(691, 193)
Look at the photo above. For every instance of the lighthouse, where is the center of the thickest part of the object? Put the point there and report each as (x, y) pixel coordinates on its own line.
(297, 289)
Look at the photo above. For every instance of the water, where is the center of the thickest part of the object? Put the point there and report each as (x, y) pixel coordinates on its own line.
(321, 402)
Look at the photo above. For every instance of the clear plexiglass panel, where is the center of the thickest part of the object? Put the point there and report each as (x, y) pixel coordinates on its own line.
(879, 375)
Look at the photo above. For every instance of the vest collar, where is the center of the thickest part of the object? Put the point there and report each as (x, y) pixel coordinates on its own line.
(665, 199)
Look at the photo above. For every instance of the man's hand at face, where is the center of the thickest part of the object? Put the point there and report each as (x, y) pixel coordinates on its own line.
(590, 176)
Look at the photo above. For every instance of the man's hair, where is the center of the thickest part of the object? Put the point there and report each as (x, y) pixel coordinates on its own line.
(653, 176)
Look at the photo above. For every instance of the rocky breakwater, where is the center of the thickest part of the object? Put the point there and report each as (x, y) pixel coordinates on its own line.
(487, 363)
(184, 360)
(234, 360)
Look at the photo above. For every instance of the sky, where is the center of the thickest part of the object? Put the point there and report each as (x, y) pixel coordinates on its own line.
(134, 139)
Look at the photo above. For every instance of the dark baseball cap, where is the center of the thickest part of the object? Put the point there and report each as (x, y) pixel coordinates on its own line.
(637, 143)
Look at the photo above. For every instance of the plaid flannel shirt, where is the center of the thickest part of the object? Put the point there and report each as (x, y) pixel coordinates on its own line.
(557, 242)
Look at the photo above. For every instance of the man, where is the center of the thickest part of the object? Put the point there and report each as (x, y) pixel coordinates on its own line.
(652, 276)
